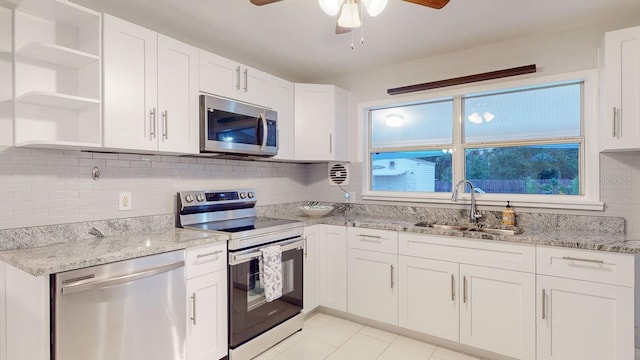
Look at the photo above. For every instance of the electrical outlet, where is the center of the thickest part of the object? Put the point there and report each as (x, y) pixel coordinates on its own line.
(124, 201)
(349, 196)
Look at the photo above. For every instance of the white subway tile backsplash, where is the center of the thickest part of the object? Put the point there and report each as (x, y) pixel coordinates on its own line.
(40, 187)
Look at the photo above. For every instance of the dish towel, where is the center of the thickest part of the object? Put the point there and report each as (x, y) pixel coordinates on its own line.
(271, 272)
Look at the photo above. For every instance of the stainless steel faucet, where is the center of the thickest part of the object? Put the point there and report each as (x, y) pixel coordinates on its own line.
(473, 212)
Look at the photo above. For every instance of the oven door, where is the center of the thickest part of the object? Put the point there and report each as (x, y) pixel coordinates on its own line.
(249, 313)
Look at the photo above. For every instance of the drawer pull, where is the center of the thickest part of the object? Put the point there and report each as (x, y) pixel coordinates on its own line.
(370, 238)
(209, 254)
(595, 261)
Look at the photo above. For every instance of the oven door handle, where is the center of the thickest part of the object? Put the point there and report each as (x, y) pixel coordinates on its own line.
(242, 257)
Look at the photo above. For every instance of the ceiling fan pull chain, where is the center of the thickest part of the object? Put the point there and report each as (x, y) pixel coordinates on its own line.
(362, 26)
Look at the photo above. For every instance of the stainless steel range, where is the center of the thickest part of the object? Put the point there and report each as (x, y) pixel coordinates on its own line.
(254, 323)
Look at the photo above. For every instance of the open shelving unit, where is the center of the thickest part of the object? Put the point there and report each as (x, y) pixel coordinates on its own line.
(57, 64)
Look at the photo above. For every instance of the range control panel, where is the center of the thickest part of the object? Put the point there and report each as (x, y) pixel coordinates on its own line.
(216, 197)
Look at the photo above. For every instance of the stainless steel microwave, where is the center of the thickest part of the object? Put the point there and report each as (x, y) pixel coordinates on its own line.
(227, 126)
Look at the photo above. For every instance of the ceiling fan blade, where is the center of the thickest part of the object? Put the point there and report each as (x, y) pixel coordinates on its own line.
(435, 4)
(263, 2)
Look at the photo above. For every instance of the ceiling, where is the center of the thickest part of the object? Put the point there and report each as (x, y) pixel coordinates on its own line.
(296, 40)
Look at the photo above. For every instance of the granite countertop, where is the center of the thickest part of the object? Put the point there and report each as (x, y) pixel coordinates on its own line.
(79, 253)
(570, 238)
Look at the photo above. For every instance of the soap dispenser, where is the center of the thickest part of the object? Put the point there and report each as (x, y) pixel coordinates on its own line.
(508, 215)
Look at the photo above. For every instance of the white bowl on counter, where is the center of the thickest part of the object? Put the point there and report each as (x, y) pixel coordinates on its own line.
(316, 210)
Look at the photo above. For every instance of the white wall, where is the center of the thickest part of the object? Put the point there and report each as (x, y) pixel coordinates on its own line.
(39, 187)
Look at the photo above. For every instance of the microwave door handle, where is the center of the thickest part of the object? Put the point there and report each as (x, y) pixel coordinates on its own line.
(265, 130)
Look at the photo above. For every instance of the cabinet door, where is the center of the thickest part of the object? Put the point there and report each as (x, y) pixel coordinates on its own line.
(219, 76)
(130, 85)
(207, 316)
(584, 320)
(311, 293)
(332, 260)
(314, 118)
(428, 296)
(178, 104)
(281, 93)
(621, 108)
(255, 87)
(497, 312)
(373, 285)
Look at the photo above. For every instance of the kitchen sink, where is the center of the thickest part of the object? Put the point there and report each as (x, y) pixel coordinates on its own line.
(498, 231)
(478, 228)
(442, 226)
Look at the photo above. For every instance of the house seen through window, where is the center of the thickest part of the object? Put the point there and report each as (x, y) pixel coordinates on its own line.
(518, 141)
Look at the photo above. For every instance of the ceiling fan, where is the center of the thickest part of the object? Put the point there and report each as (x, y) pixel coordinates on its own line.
(349, 10)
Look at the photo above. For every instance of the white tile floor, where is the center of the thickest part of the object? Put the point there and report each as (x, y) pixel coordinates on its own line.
(327, 337)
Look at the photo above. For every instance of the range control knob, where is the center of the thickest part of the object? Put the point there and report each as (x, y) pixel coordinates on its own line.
(243, 195)
(251, 195)
(200, 197)
(188, 198)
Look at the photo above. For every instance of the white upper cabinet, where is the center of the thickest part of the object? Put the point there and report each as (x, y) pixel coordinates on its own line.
(227, 78)
(281, 93)
(6, 85)
(321, 123)
(620, 91)
(178, 103)
(57, 75)
(151, 94)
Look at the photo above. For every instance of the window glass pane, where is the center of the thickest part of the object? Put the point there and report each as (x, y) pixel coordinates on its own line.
(412, 125)
(424, 171)
(540, 113)
(536, 169)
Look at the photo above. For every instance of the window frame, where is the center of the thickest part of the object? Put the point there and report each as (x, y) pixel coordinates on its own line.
(589, 199)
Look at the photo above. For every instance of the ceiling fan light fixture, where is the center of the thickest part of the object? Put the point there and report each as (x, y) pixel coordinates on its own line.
(350, 14)
(330, 7)
(374, 7)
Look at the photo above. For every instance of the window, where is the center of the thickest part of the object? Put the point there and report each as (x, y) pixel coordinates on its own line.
(523, 142)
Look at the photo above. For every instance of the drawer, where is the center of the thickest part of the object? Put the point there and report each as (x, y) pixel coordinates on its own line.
(385, 241)
(206, 259)
(502, 255)
(590, 265)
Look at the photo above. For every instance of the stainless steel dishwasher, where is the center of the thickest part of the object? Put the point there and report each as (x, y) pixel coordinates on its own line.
(132, 309)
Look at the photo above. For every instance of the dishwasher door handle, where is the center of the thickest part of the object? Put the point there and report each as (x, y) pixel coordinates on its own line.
(83, 285)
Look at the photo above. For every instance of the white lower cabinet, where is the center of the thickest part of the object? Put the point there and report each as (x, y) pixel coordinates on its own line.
(497, 311)
(206, 303)
(311, 283)
(479, 293)
(428, 296)
(332, 267)
(586, 305)
(373, 285)
(584, 320)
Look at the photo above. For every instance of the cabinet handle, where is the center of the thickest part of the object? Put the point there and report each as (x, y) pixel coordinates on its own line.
(165, 126)
(193, 303)
(246, 81)
(570, 258)
(391, 275)
(453, 288)
(464, 289)
(544, 315)
(330, 143)
(152, 120)
(305, 246)
(238, 78)
(209, 254)
(615, 128)
(370, 238)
